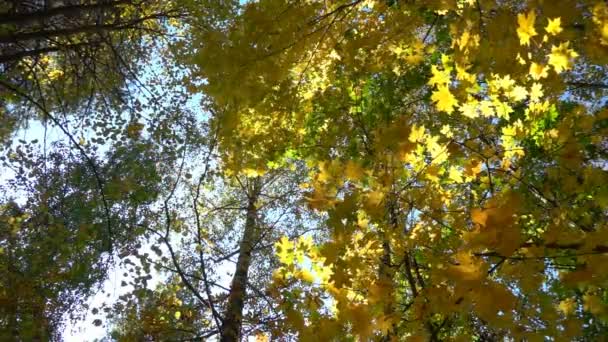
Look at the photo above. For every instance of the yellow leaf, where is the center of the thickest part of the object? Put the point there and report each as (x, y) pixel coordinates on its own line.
(385, 324)
(416, 134)
(438, 152)
(525, 29)
(503, 109)
(479, 216)
(538, 71)
(536, 92)
(463, 75)
(486, 108)
(473, 168)
(469, 109)
(447, 131)
(55, 74)
(361, 319)
(440, 77)
(306, 276)
(353, 171)
(600, 18)
(177, 314)
(252, 173)
(467, 268)
(518, 93)
(432, 173)
(567, 306)
(554, 26)
(374, 198)
(334, 55)
(285, 250)
(323, 272)
(455, 175)
(261, 337)
(444, 100)
(305, 242)
(560, 57)
(505, 82)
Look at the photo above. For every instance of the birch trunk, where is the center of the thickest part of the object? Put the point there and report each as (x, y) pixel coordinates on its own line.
(231, 327)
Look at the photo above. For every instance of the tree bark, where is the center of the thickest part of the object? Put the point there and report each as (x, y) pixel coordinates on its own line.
(12, 37)
(386, 271)
(231, 327)
(17, 56)
(21, 19)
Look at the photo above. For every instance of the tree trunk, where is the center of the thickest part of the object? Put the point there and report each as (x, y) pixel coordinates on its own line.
(39, 16)
(12, 37)
(231, 327)
(386, 272)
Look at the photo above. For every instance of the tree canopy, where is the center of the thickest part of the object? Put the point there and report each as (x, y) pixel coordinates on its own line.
(370, 170)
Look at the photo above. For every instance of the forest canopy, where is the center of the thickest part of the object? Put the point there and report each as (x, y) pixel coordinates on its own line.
(336, 170)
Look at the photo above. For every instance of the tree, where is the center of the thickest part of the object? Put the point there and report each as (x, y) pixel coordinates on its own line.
(459, 149)
(74, 56)
(441, 166)
(53, 246)
(223, 224)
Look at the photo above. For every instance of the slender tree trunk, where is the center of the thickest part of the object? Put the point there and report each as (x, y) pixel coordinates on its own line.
(231, 327)
(386, 272)
(13, 305)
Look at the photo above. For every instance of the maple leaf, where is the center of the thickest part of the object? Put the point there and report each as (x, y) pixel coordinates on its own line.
(525, 29)
(374, 198)
(444, 99)
(561, 56)
(385, 324)
(600, 19)
(323, 272)
(353, 171)
(538, 71)
(502, 109)
(437, 151)
(416, 134)
(567, 306)
(502, 82)
(455, 175)
(447, 131)
(463, 75)
(285, 251)
(469, 109)
(479, 216)
(487, 108)
(554, 26)
(473, 168)
(518, 93)
(536, 92)
(440, 77)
